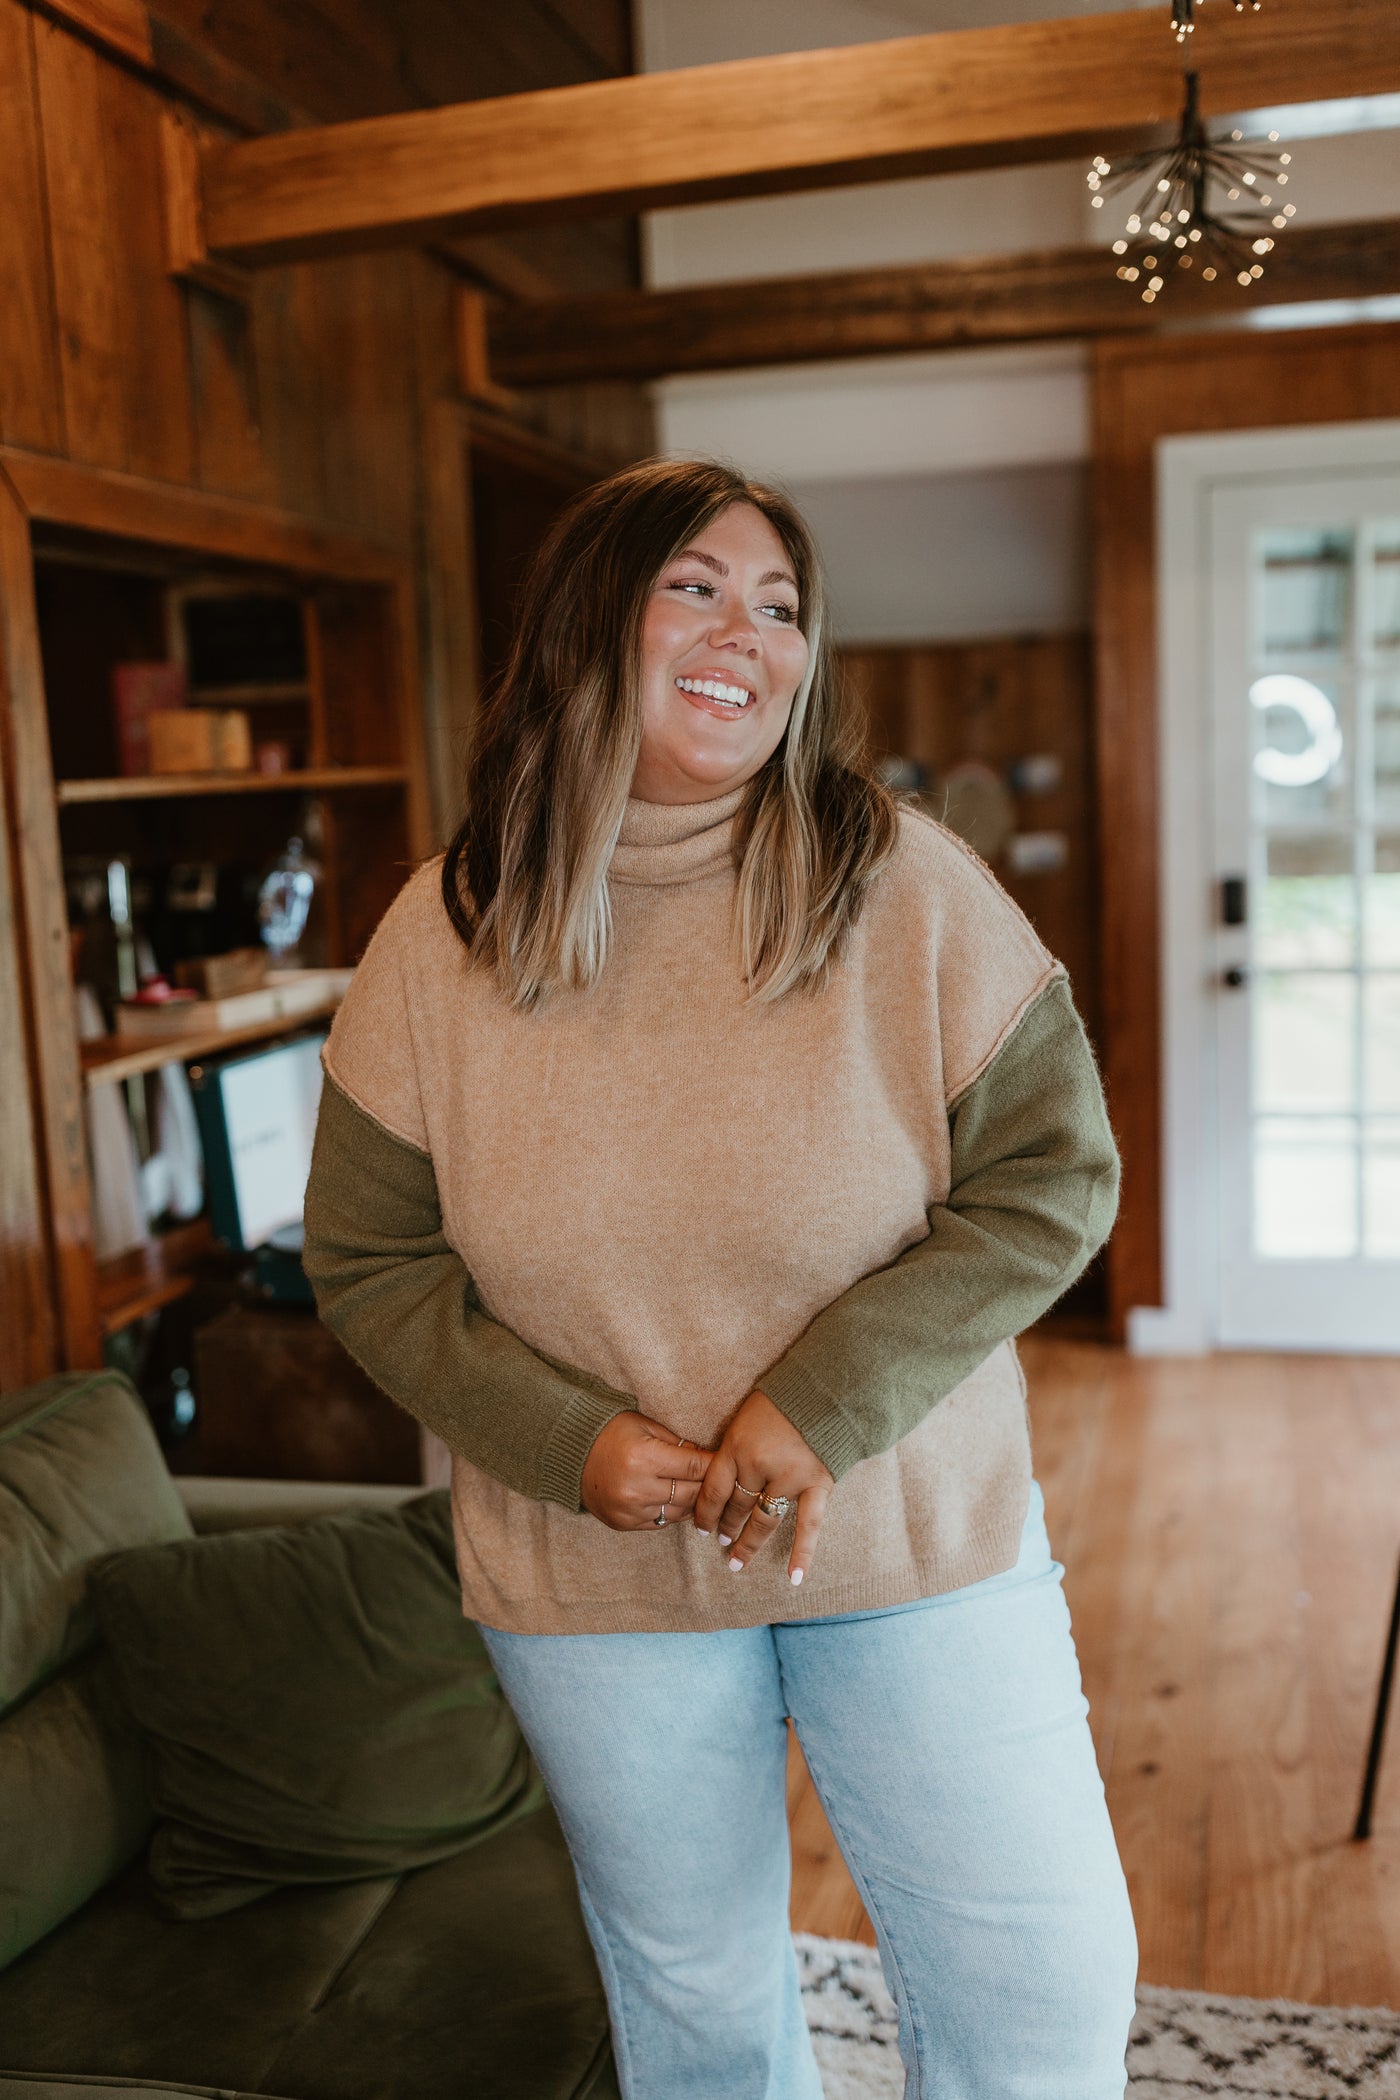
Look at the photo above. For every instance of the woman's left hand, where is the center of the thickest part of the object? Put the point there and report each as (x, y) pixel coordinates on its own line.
(761, 1450)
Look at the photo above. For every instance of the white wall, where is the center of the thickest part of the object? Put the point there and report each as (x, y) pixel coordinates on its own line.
(947, 557)
(996, 438)
(1019, 405)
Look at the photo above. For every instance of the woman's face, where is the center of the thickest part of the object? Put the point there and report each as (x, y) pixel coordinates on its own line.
(723, 615)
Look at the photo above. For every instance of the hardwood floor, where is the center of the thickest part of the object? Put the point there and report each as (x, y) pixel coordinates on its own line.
(1229, 1528)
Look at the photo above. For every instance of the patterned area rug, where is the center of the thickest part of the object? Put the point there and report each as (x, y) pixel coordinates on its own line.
(1186, 2045)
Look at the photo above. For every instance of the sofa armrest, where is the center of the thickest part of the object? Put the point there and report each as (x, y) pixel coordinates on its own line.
(234, 1505)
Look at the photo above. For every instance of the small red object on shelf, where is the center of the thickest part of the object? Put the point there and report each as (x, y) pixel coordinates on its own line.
(159, 991)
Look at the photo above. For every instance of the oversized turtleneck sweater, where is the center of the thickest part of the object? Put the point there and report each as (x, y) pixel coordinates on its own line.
(661, 1193)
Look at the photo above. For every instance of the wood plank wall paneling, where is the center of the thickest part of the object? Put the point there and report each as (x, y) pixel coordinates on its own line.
(996, 701)
(81, 239)
(369, 384)
(123, 353)
(361, 59)
(286, 350)
(31, 399)
(150, 310)
(306, 395)
(225, 395)
(367, 60)
(1144, 392)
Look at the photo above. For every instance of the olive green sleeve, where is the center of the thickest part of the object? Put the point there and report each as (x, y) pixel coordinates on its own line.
(1034, 1189)
(389, 1286)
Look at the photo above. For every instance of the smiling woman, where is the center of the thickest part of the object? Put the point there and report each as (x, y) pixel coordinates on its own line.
(674, 570)
(695, 1139)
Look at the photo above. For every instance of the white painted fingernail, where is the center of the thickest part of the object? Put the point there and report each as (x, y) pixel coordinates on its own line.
(702, 1531)
(723, 1540)
(735, 1565)
(796, 1577)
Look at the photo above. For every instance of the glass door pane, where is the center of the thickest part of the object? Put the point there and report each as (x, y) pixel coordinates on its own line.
(1321, 695)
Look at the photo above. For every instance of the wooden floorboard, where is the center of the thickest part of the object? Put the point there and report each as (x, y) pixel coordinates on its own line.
(1229, 1528)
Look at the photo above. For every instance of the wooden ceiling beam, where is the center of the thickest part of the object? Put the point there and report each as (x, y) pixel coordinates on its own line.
(890, 312)
(802, 120)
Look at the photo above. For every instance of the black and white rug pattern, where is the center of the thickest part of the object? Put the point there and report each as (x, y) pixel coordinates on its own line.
(1186, 2045)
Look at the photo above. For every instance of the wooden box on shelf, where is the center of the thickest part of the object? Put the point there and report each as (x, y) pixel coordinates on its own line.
(97, 567)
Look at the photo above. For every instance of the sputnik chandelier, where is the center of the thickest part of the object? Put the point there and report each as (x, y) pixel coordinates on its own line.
(1173, 222)
(1184, 15)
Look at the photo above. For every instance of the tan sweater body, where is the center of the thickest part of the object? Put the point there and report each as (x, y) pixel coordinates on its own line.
(664, 1184)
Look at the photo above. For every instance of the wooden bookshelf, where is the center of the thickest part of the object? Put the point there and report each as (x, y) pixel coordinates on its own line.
(162, 786)
(269, 695)
(97, 566)
(109, 1058)
(151, 1276)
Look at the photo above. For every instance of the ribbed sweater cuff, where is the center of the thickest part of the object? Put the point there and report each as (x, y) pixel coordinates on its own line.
(811, 1410)
(571, 1440)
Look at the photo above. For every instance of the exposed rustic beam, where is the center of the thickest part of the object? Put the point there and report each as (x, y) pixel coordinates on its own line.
(966, 98)
(933, 306)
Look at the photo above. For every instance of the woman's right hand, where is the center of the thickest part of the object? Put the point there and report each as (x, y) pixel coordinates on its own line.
(629, 1473)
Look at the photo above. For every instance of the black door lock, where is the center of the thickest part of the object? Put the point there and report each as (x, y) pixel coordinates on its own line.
(1234, 900)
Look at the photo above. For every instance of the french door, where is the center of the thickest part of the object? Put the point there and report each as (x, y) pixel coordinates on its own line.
(1303, 669)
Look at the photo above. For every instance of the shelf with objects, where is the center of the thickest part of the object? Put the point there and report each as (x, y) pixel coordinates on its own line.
(215, 718)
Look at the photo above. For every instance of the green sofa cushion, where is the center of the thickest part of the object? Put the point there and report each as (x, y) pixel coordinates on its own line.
(80, 1474)
(73, 1805)
(315, 1706)
(470, 1978)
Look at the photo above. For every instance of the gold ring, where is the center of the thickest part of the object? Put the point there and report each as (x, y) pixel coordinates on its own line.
(752, 1493)
(671, 1497)
(775, 1505)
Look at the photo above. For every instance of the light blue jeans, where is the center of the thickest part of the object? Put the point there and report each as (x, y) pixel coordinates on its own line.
(949, 1744)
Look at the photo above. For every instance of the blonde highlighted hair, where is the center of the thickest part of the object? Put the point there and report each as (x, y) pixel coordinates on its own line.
(525, 879)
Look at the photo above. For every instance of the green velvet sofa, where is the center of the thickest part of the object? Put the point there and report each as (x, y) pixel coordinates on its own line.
(470, 1977)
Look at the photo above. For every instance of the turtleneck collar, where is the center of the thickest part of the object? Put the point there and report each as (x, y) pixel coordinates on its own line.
(674, 841)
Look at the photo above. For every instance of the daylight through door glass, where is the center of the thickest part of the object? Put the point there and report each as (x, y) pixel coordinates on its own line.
(1324, 706)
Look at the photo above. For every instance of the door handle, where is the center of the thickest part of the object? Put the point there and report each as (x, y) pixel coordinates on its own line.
(1234, 978)
(1234, 900)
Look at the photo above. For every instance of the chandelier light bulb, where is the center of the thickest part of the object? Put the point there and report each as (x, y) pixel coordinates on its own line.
(1211, 194)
